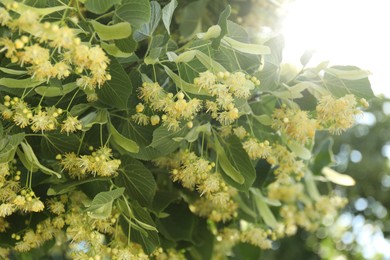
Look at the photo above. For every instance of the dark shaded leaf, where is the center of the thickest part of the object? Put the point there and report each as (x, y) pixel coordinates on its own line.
(136, 12)
(100, 6)
(138, 180)
(116, 91)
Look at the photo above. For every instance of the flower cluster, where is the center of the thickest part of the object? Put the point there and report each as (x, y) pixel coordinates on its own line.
(295, 123)
(49, 50)
(159, 254)
(14, 198)
(227, 238)
(194, 172)
(174, 108)
(311, 215)
(256, 149)
(70, 223)
(225, 87)
(99, 163)
(38, 118)
(286, 192)
(337, 115)
(284, 161)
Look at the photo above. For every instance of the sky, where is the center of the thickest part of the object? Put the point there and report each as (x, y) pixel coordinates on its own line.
(344, 32)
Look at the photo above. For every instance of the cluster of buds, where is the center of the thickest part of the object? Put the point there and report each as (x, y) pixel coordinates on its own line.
(39, 119)
(49, 50)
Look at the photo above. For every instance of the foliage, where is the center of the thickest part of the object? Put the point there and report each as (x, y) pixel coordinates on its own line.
(145, 129)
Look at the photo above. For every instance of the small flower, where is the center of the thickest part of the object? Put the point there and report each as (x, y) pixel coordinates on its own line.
(150, 92)
(141, 119)
(71, 125)
(63, 38)
(4, 17)
(35, 54)
(43, 122)
(61, 70)
(257, 150)
(6, 209)
(36, 205)
(154, 120)
(240, 132)
(205, 80)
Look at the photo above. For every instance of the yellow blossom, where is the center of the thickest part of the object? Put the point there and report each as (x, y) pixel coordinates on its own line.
(240, 132)
(294, 123)
(205, 80)
(141, 119)
(6, 209)
(4, 17)
(257, 150)
(337, 115)
(71, 124)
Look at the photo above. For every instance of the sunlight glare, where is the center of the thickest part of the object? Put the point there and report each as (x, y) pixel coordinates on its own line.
(344, 32)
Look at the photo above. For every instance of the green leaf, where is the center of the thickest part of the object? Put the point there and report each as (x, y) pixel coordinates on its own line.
(185, 56)
(149, 239)
(40, 11)
(13, 72)
(337, 178)
(8, 145)
(116, 91)
(29, 165)
(299, 149)
(125, 143)
(322, 154)
(143, 137)
(264, 119)
(100, 6)
(126, 46)
(138, 180)
(209, 62)
(163, 139)
(136, 12)
(70, 186)
(354, 74)
(57, 143)
(95, 117)
(112, 32)
(183, 85)
(222, 22)
(147, 29)
(113, 50)
(226, 165)
(263, 209)
(306, 57)
(52, 91)
(191, 18)
(101, 205)
(167, 13)
(339, 87)
(237, 164)
(311, 186)
(20, 83)
(32, 158)
(163, 199)
(180, 225)
(250, 48)
(291, 92)
(212, 32)
(78, 109)
(316, 90)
